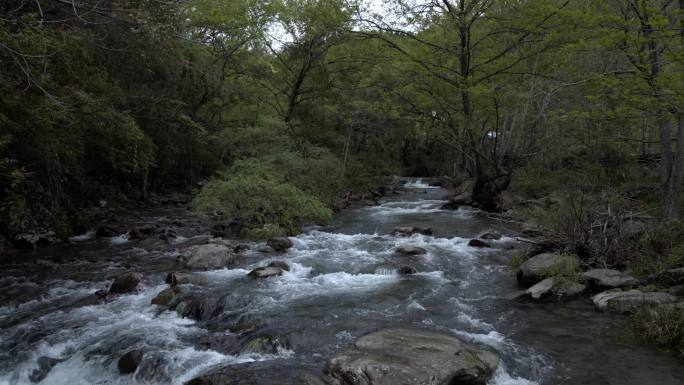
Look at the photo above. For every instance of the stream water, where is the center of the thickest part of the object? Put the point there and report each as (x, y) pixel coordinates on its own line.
(341, 285)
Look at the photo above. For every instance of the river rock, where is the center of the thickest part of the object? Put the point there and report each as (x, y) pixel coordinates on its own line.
(622, 302)
(491, 236)
(265, 272)
(165, 297)
(406, 356)
(671, 277)
(257, 374)
(280, 264)
(406, 270)
(209, 256)
(198, 308)
(130, 361)
(125, 283)
(174, 279)
(541, 266)
(554, 290)
(609, 278)
(408, 231)
(478, 243)
(280, 244)
(264, 345)
(410, 250)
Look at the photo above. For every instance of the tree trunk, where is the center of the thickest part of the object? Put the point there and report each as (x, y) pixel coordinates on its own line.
(671, 167)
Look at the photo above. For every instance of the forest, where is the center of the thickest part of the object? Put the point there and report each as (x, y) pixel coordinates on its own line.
(561, 118)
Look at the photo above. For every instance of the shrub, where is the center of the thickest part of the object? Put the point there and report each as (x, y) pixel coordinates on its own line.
(256, 202)
(662, 326)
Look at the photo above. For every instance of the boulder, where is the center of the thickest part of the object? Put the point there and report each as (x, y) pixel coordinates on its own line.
(265, 272)
(130, 361)
(541, 266)
(198, 308)
(165, 297)
(125, 283)
(209, 256)
(406, 270)
(265, 344)
(554, 290)
(609, 279)
(280, 264)
(491, 236)
(240, 247)
(280, 244)
(408, 231)
(478, 243)
(406, 356)
(257, 374)
(671, 277)
(174, 279)
(410, 250)
(624, 302)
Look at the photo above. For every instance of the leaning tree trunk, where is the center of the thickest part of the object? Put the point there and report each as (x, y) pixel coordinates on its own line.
(490, 183)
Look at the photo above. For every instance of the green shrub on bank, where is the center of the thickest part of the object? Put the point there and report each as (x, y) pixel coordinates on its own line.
(662, 327)
(257, 203)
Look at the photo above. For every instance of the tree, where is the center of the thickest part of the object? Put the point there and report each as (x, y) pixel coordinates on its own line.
(466, 46)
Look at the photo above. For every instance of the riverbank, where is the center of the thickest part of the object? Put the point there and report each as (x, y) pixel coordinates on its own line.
(620, 260)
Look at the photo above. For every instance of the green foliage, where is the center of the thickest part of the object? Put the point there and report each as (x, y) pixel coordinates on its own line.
(568, 270)
(518, 259)
(260, 203)
(660, 249)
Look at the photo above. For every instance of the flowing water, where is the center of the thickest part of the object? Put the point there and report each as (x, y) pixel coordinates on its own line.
(341, 285)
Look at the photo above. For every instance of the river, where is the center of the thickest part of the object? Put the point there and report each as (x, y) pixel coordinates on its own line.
(340, 286)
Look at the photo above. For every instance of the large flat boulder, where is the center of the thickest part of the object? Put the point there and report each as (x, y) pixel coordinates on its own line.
(625, 302)
(209, 256)
(553, 290)
(542, 266)
(609, 279)
(407, 356)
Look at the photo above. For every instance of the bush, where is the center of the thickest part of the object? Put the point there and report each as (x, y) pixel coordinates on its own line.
(663, 327)
(260, 205)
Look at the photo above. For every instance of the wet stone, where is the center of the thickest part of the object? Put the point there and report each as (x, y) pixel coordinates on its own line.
(130, 361)
(125, 283)
(410, 250)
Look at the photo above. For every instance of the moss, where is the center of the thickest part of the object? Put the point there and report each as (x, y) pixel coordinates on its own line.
(518, 259)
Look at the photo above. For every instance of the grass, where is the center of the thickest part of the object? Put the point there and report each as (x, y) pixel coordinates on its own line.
(660, 326)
